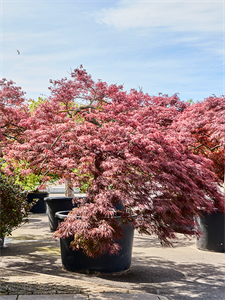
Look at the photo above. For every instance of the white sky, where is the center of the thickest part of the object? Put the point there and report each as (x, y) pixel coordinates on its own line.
(162, 46)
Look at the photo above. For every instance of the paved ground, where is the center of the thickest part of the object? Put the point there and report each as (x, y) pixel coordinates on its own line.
(102, 296)
(31, 265)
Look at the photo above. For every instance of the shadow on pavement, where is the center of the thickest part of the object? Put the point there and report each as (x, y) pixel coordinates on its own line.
(15, 288)
(153, 242)
(152, 271)
(179, 281)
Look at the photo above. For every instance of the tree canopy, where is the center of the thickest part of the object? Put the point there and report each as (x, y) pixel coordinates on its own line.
(128, 148)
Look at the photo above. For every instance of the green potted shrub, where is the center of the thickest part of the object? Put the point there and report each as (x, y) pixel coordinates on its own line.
(14, 207)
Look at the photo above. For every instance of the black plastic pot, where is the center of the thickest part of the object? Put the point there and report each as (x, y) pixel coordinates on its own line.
(77, 261)
(212, 227)
(40, 206)
(2, 239)
(55, 204)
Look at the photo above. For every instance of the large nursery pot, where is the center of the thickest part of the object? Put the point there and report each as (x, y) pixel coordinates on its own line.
(212, 227)
(2, 241)
(39, 206)
(77, 261)
(55, 204)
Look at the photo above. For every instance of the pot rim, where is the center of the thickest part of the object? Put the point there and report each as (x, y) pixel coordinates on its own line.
(63, 214)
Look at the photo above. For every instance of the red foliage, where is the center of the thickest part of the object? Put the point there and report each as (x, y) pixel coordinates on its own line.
(202, 127)
(12, 111)
(122, 146)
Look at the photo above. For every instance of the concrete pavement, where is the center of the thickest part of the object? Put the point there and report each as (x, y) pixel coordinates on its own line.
(84, 297)
(31, 269)
(111, 296)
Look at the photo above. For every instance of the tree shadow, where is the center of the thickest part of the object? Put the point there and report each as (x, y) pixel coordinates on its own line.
(178, 281)
(18, 288)
(150, 242)
(36, 223)
(31, 255)
(149, 273)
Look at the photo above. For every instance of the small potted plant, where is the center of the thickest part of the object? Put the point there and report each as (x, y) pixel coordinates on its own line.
(137, 172)
(14, 208)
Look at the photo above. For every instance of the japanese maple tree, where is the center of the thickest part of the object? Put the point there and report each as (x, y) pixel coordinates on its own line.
(12, 110)
(122, 147)
(202, 128)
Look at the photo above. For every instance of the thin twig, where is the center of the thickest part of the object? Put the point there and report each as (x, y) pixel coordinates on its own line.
(211, 149)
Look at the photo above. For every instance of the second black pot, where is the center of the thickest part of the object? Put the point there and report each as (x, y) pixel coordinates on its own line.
(39, 206)
(55, 204)
(2, 241)
(212, 227)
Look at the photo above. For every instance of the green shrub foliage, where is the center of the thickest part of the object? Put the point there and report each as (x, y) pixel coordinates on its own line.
(14, 207)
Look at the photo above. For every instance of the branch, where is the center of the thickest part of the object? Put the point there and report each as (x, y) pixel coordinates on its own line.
(211, 149)
(214, 147)
(12, 124)
(12, 137)
(76, 110)
(53, 144)
(94, 121)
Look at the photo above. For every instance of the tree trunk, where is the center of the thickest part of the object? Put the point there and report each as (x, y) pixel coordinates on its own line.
(69, 189)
